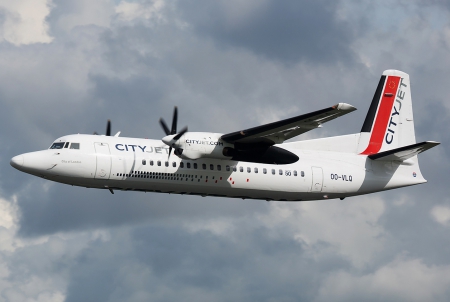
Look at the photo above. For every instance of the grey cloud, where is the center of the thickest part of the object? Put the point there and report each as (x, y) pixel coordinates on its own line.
(166, 264)
(64, 208)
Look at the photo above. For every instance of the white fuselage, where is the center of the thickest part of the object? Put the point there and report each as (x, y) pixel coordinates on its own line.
(120, 163)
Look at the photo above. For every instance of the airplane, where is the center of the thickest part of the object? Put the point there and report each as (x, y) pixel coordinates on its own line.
(253, 163)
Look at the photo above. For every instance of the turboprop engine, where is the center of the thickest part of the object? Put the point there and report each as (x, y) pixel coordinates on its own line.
(194, 145)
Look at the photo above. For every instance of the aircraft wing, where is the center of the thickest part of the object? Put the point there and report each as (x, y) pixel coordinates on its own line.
(278, 132)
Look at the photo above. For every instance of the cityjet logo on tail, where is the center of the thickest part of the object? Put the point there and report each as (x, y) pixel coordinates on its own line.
(389, 138)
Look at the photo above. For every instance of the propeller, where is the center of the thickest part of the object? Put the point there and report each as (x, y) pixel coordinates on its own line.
(108, 129)
(170, 141)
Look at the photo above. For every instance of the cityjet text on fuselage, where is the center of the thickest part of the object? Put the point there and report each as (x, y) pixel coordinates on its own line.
(139, 148)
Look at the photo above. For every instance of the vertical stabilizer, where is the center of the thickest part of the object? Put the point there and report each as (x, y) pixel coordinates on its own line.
(389, 122)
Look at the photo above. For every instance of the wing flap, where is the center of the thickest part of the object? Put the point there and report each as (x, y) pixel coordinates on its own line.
(403, 153)
(278, 132)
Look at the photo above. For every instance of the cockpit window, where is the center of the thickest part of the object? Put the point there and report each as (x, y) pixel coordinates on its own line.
(75, 146)
(57, 146)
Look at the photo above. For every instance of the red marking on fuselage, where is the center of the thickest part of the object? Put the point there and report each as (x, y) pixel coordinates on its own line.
(382, 117)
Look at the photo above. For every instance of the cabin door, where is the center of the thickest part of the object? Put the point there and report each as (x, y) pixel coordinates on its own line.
(103, 168)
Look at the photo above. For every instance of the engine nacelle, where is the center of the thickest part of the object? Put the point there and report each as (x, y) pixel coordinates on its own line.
(195, 145)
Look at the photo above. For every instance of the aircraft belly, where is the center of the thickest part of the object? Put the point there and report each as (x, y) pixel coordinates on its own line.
(194, 187)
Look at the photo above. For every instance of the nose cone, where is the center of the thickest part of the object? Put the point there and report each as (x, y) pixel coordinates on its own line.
(33, 162)
(17, 161)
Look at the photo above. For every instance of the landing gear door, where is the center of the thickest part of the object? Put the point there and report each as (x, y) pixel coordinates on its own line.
(103, 169)
(317, 179)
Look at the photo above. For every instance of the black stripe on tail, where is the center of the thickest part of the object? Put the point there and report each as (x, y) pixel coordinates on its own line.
(370, 117)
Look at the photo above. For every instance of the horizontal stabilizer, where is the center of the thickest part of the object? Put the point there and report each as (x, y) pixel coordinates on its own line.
(403, 153)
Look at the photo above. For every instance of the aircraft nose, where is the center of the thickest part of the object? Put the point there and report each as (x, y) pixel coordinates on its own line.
(17, 161)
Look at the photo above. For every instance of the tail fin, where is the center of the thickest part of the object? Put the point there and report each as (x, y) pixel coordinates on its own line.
(389, 123)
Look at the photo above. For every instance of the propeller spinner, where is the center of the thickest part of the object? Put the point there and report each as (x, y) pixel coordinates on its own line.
(172, 135)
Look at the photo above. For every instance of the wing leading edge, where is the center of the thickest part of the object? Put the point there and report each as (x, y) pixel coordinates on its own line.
(278, 132)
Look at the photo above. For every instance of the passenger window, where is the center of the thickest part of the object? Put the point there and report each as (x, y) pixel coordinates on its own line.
(241, 169)
(75, 146)
(227, 167)
(66, 145)
(57, 146)
(151, 163)
(295, 172)
(273, 171)
(174, 164)
(182, 165)
(166, 163)
(265, 171)
(188, 165)
(195, 165)
(249, 169)
(256, 170)
(144, 162)
(204, 166)
(211, 167)
(159, 163)
(302, 174)
(280, 172)
(219, 168)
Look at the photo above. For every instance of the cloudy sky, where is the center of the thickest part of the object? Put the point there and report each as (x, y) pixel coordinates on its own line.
(66, 66)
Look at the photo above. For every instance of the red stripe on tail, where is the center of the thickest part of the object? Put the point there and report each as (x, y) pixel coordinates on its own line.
(383, 115)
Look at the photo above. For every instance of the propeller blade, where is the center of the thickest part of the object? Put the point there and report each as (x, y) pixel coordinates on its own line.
(174, 120)
(169, 139)
(164, 126)
(180, 134)
(108, 128)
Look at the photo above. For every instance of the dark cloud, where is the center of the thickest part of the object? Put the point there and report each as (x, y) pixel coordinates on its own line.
(288, 31)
